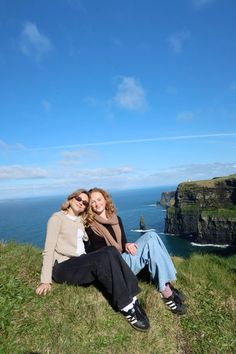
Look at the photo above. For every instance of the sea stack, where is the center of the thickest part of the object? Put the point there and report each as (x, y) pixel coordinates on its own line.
(142, 225)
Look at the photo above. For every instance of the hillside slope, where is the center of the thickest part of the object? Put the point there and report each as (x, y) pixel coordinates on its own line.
(79, 320)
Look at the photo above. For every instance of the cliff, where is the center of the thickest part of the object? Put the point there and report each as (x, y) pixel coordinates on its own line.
(206, 210)
(167, 198)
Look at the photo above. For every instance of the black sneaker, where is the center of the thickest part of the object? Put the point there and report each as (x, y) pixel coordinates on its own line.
(175, 306)
(137, 318)
(178, 295)
(139, 309)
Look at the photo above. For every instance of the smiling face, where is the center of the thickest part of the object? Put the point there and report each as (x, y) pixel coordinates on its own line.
(98, 203)
(78, 204)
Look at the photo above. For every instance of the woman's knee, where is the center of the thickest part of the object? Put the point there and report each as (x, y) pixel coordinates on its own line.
(153, 241)
(153, 237)
(152, 234)
(148, 237)
(111, 250)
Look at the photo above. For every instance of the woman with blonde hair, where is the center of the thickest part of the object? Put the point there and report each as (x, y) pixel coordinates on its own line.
(65, 260)
(106, 229)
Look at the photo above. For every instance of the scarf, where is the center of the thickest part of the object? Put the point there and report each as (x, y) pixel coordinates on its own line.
(99, 228)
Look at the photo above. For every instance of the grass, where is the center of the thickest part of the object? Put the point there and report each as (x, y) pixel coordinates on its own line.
(184, 209)
(189, 208)
(79, 320)
(209, 183)
(226, 213)
(171, 211)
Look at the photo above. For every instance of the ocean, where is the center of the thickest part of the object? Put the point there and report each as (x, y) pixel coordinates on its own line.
(24, 220)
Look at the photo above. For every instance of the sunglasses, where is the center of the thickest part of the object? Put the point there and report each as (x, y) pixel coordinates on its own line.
(84, 202)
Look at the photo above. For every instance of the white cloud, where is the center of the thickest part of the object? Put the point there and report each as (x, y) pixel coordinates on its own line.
(124, 177)
(137, 141)
(7, 147)
(41, 188)
(129, 177)
(74, 158)
(193, 172)
(130, 94)
(88, 176)
(54, 182)
(106, 172)
(176, 41)
(21, 172)
(33, 43)
(73, 155)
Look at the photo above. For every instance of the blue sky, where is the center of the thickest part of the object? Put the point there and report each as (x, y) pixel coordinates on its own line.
(117, 94)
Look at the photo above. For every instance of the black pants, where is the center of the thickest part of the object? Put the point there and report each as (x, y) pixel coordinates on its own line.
(105, 266)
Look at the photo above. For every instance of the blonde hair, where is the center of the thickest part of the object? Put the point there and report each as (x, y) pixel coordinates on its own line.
(110, 206)
(87, 215)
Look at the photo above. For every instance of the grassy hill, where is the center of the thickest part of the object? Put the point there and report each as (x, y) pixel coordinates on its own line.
(79, 320)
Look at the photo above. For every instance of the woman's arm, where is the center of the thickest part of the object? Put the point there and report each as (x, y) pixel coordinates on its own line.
(43, 288)
(131, 248)
(53, 230)
(128, 247)
(123, 235)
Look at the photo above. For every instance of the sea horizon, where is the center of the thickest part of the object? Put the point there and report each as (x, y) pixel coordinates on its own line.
(27, 224)
(64, 194)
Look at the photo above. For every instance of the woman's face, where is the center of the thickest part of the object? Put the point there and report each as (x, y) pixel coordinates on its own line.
(79, 204)
(98, 202)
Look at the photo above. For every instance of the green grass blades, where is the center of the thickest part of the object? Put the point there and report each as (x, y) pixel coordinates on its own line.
(79, 319)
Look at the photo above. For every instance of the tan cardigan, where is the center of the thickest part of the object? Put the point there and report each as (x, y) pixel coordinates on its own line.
(61, 242)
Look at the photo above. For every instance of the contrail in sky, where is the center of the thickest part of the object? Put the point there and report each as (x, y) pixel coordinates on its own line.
(135, 141)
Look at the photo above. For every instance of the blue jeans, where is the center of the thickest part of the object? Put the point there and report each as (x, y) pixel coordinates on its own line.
(152, 252)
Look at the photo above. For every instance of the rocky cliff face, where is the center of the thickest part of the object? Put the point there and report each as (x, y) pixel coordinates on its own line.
(167, 198)
(206, 210)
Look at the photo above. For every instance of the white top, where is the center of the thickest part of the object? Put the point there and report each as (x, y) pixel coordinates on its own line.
(80, 244)
(80, 234)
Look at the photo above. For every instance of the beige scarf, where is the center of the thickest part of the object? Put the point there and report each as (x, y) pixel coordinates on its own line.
(99, 228)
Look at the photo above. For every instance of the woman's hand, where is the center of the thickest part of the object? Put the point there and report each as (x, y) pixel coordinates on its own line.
(131, 248)
(43, 288)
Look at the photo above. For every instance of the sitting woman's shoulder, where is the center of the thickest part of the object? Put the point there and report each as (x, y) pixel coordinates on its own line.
(119, 220)
(58, 215)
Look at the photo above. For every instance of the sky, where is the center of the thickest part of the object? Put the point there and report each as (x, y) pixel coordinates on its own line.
(115, 94)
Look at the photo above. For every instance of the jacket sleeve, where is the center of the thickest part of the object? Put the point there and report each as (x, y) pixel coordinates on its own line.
(53, 230)
(123, 235)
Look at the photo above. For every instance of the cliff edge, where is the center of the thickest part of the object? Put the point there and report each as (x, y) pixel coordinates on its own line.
(205, 210)
(167, 199)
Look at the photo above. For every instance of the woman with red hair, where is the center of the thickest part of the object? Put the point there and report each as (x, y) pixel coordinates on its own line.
(106, 229)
